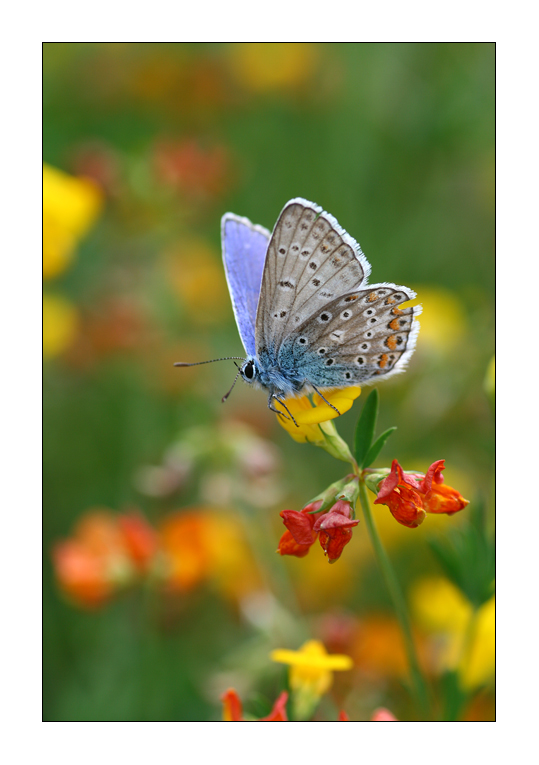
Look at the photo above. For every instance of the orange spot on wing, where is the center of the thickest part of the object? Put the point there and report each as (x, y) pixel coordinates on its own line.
(391, 342)
(372, 297)
(394, 324)
(390, 300)
(383, 360)
(396, 311)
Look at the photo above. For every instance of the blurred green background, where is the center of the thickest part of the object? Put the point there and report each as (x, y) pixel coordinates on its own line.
(397, 142)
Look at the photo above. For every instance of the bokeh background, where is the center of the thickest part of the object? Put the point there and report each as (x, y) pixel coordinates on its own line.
(146, 146)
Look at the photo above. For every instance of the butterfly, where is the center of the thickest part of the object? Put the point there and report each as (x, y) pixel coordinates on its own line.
(307, 317)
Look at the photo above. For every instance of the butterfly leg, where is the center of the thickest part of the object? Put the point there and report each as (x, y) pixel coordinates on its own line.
(272, 408)
(325, 399)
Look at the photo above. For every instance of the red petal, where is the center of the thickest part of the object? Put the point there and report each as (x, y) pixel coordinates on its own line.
(232, 708)
(278, 713)
(300, 525)
(289, 546)
(434, 473)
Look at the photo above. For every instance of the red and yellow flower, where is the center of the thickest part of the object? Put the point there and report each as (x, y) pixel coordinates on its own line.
(410, 496)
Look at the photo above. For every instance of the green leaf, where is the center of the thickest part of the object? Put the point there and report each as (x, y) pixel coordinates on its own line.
(467, 557)
(365, 428)
(377, 447)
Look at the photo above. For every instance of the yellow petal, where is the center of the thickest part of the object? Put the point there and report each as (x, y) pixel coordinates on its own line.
(312, 655)
(60, 324)
(70, 207)
(308, 416)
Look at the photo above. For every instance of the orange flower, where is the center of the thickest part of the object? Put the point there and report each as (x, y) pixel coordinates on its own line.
(81, 574)
(410, 496)
(203, 545)
(106, 553)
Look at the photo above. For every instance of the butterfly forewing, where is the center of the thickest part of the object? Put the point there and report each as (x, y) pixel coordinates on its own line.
(244, 252)
(311, 260)
(355, 338)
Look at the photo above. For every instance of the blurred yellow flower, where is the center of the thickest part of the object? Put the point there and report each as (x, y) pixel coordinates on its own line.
(312, 667)
(70, 207)
(263, 67)
(443, 320)
(469, 646)
(60, 324)
(309, 416)
(478, 663)
(196, 275)
(440, 606)
(489, 382)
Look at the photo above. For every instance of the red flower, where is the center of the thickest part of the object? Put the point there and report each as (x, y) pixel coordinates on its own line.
(410, 496)
(343, 717)
(140, 539)
(233, 710)
(300, 536)
(333, 529)
(278, 713)
(232, 707)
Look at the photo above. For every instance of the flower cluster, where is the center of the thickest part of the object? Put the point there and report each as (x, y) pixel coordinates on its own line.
(330, 519)
(105, 554)
(108, 552)
(410, 496)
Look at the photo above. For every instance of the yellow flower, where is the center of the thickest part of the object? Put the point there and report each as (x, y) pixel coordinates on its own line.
(309, 417)
(194, 273)
(263, 67)
(478, 663)
(70, 207)
(443, 322)
(311, 668)
(60, 324)
(468, 647)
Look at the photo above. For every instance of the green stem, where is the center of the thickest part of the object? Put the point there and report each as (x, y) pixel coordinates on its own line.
(418, 681)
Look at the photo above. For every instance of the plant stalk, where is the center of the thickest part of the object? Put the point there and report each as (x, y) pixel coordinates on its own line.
(419, 685)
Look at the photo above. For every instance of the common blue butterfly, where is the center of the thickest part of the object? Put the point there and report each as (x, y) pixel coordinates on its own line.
(307, 317)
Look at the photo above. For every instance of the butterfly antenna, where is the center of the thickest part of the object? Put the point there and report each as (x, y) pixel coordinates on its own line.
(230, 391)
(196, 363)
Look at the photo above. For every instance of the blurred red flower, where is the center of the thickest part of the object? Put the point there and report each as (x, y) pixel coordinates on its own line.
(383, 715)
(233, 709)
(191, 169)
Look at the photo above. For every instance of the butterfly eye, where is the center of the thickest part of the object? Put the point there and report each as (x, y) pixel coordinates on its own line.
(249, 370)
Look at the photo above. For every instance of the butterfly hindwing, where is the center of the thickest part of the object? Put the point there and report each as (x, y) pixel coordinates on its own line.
(358, 337)
(244, 253)
(310, 261)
